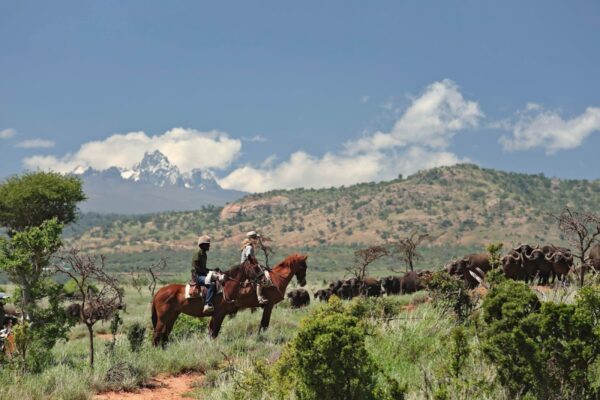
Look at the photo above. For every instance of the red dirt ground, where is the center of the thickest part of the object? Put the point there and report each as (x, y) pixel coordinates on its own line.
(163, 388)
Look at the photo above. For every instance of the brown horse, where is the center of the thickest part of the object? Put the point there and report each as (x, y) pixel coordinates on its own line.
(170, 300)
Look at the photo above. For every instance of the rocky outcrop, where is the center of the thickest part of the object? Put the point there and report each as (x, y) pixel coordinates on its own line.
(254, 206)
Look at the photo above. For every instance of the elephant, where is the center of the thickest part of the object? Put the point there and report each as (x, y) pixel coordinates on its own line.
(298, 298)
(471, 268)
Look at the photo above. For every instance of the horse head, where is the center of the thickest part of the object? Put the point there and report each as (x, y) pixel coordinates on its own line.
(297, 264)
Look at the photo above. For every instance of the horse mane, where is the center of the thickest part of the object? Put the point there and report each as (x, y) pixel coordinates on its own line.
(233, 270)
(290, 260)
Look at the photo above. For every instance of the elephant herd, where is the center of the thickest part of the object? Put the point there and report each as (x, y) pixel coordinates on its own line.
(525, 262)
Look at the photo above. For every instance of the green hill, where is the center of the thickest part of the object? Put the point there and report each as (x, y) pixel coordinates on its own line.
(462, 205)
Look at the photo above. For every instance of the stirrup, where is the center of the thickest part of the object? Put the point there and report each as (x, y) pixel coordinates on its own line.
(262, 300)
(208, 308)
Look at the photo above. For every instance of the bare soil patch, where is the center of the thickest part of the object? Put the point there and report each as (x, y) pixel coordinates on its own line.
(160, 388)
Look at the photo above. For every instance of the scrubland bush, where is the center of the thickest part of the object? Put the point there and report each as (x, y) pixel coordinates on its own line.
(451, 294)
(543, 351)
(187, 326)
(327, 359)
(135, 336)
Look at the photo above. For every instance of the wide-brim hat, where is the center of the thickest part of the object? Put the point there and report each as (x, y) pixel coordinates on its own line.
(252, 235)
(204, 239)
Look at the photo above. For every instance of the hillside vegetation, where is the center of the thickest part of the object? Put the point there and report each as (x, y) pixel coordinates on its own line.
(462, 205)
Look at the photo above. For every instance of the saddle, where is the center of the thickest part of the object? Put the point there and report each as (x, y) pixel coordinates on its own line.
(194, 290)
(249, 285)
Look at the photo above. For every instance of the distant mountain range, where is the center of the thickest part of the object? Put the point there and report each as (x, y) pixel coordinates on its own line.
(462, 205)
(152, 185)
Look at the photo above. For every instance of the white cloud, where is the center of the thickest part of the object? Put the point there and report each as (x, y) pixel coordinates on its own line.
(35, 144)
(255, 138)
(7, 133)
(431, 120)
(185, 148)
(536, 126)
(304, 170)
(418, 140)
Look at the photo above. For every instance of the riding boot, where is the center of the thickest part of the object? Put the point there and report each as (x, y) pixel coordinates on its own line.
(259, 296)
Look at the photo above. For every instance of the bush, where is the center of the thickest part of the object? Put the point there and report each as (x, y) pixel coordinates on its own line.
(543, 351)
(70, 289)
(450, 293)
(135, 336)
(187, 326)
(327, 359)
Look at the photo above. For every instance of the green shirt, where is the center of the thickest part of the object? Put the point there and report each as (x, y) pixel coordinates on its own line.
(199, 263)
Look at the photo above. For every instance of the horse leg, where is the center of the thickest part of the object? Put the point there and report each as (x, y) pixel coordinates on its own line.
(214, 326)
(157, 335)
(168, 328)
(266, 318)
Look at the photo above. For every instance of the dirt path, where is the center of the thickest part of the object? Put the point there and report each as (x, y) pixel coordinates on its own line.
(162, 388)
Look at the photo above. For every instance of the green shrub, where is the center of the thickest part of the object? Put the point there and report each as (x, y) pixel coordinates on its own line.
(187, 326)
(544, 351)
(71, 290)
(135, 336)
(450, 293)
(459, 350)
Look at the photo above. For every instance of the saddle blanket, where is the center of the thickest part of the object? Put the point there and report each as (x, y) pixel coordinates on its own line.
(194, 293)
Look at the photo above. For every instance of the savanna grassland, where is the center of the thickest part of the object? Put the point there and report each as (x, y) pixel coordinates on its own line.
(441, 343)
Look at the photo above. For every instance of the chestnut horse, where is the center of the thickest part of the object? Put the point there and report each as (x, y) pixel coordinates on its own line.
(170, 300)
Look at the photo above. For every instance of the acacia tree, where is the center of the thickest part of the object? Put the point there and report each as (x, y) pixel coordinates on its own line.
(25, 258)
(365, 257)
(30, 199)
(265, 245)
(582, 230)
(93, 306)
(154, 271)
(407, 248)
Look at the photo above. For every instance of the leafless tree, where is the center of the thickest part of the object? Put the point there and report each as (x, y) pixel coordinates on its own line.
(137, 280)
(407, 248)
(365, 257)
(155, 271)
(582, 230)
(93, 306)
(265, 245)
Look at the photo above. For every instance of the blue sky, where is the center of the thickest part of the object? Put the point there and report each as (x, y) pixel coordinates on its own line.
(275, 94)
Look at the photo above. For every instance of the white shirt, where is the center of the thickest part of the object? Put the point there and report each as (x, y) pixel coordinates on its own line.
(248, 251)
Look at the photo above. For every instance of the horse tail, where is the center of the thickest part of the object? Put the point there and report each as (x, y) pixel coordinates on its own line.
(154, 316)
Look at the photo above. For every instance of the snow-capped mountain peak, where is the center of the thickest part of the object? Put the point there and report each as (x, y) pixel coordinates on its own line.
(156, 169)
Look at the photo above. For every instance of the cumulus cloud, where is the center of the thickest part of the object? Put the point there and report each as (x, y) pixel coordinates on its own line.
(304, 170)
(35, 144)
(536, 126)
(431, 120)
(185, 148)
(255, 138)
(418, 140)
(7, 133)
